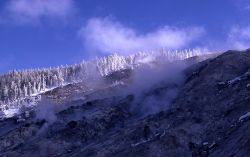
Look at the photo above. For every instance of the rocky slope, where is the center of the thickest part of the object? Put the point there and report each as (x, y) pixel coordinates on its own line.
(208, 116)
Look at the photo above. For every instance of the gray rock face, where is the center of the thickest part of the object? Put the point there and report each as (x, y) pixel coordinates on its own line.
(204, 120)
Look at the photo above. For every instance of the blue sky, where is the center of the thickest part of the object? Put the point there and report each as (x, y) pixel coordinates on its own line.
(43, 33)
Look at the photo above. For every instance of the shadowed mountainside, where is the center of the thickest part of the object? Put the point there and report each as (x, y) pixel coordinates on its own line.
(209, 117)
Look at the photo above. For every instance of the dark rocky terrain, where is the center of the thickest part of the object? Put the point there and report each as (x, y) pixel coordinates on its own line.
(207, 118)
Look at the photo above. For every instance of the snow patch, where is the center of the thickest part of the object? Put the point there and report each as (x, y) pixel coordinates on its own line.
(247, 115)
(10, 112)
(235, 80)
(248, 85)
(117, 83)
(29, 101)
(43, 91)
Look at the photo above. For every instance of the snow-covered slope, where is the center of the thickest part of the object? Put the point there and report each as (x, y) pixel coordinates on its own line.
(19, 88)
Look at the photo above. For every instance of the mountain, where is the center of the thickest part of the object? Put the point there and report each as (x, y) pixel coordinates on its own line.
(191, 106)
(24, 88)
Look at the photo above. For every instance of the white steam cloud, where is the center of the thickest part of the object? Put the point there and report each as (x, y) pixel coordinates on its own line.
(109, 36)
(155, 86)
